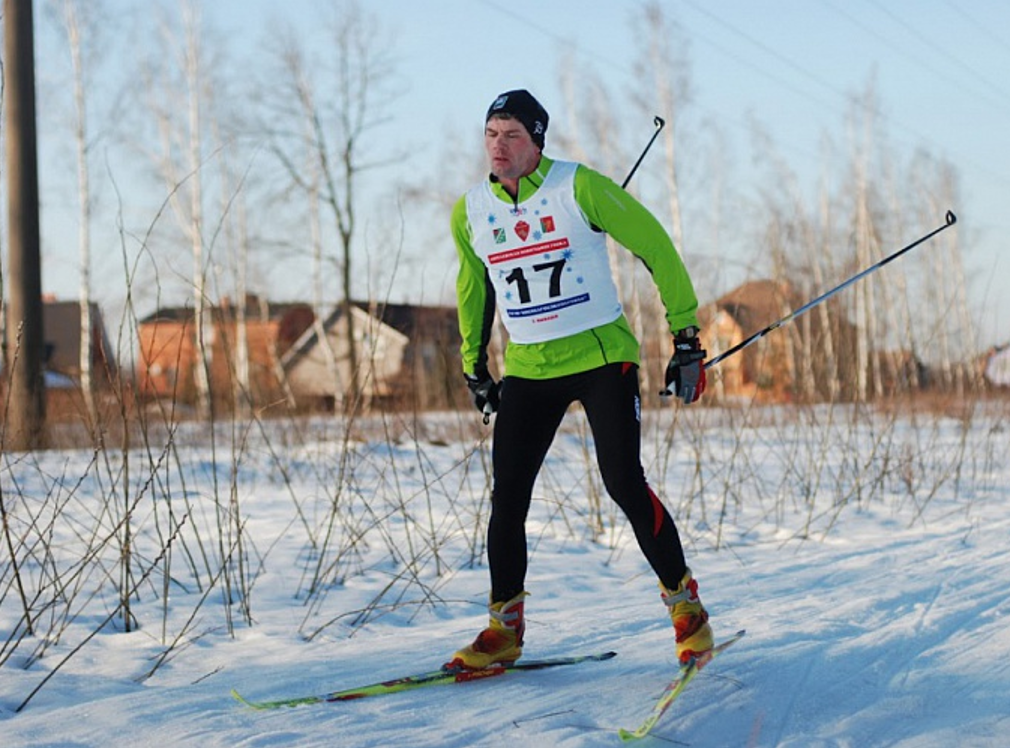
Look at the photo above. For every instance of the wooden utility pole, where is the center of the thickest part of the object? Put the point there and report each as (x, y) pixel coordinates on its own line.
(24, 428)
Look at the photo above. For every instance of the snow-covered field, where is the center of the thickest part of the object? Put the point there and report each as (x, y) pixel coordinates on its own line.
(864, 552)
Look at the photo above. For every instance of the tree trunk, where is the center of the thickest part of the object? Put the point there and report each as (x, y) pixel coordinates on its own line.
(203, 322)
(73, 29)
(25, 423)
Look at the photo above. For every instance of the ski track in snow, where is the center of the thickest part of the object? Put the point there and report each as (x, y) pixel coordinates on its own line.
(880, 634)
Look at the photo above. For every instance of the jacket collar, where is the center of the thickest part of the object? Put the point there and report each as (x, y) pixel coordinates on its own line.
(528, 185)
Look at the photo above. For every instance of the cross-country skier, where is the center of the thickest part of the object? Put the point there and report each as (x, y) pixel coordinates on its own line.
(531, 239)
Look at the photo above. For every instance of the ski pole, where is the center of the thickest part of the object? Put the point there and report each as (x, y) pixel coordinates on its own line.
(658, 122)
(951, 219)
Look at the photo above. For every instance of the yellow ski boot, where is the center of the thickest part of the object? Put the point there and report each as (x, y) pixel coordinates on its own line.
(690, 619)
(501, 642)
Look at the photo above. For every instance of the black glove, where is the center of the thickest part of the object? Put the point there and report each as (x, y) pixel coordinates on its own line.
(685, 374)
(485, 392)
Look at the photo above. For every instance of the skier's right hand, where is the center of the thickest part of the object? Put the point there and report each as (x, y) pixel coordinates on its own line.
(485, 392)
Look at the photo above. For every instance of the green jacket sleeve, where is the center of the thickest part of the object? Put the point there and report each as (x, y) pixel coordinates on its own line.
(475, 295)
(608, 207)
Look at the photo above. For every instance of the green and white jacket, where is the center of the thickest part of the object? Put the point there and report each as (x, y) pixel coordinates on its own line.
(541, 259)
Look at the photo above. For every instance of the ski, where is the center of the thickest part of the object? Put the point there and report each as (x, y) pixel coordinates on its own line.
(676, 687)
(419, 680)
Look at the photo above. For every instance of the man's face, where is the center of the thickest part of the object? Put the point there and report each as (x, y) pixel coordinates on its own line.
(510, 149)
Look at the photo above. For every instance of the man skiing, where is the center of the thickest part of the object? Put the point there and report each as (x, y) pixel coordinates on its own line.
(531, 240)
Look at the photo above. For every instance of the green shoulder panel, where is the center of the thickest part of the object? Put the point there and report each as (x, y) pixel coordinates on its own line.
(630, 223)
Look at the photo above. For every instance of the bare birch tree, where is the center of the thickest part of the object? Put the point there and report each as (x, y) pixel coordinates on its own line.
(863, 292)
(862, 138)
(79, 30)
(951, 333)
(302, 147)
(899, 292)
(826, 345)
(170, 91)
(234, 214)
(341, 102)
(665, 73)
(944, 196)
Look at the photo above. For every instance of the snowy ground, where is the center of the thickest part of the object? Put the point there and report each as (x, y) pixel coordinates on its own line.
(866, 555)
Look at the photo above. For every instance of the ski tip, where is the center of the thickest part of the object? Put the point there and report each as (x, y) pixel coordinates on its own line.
(627, 735)
(258, 706)
(608, 655)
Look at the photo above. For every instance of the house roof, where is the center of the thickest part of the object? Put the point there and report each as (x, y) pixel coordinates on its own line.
(253, 309)
(413, 320)
(437, 323)
(753, 305)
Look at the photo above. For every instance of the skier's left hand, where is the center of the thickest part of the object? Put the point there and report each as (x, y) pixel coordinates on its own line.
(685, 374)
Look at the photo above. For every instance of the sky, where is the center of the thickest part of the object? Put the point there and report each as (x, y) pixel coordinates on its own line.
(789, 65)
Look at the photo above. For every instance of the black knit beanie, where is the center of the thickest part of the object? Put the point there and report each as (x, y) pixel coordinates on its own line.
(521, 105)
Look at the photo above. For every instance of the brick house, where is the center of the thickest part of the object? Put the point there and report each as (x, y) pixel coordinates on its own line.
(168, 349)
(810, 359)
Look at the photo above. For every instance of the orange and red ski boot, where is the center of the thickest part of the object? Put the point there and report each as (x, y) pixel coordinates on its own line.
(500, 643)
(690, 619)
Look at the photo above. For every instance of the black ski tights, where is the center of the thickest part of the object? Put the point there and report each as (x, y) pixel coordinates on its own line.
(528, 417)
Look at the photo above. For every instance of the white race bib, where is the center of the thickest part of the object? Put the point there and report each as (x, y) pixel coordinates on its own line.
(549, 268)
